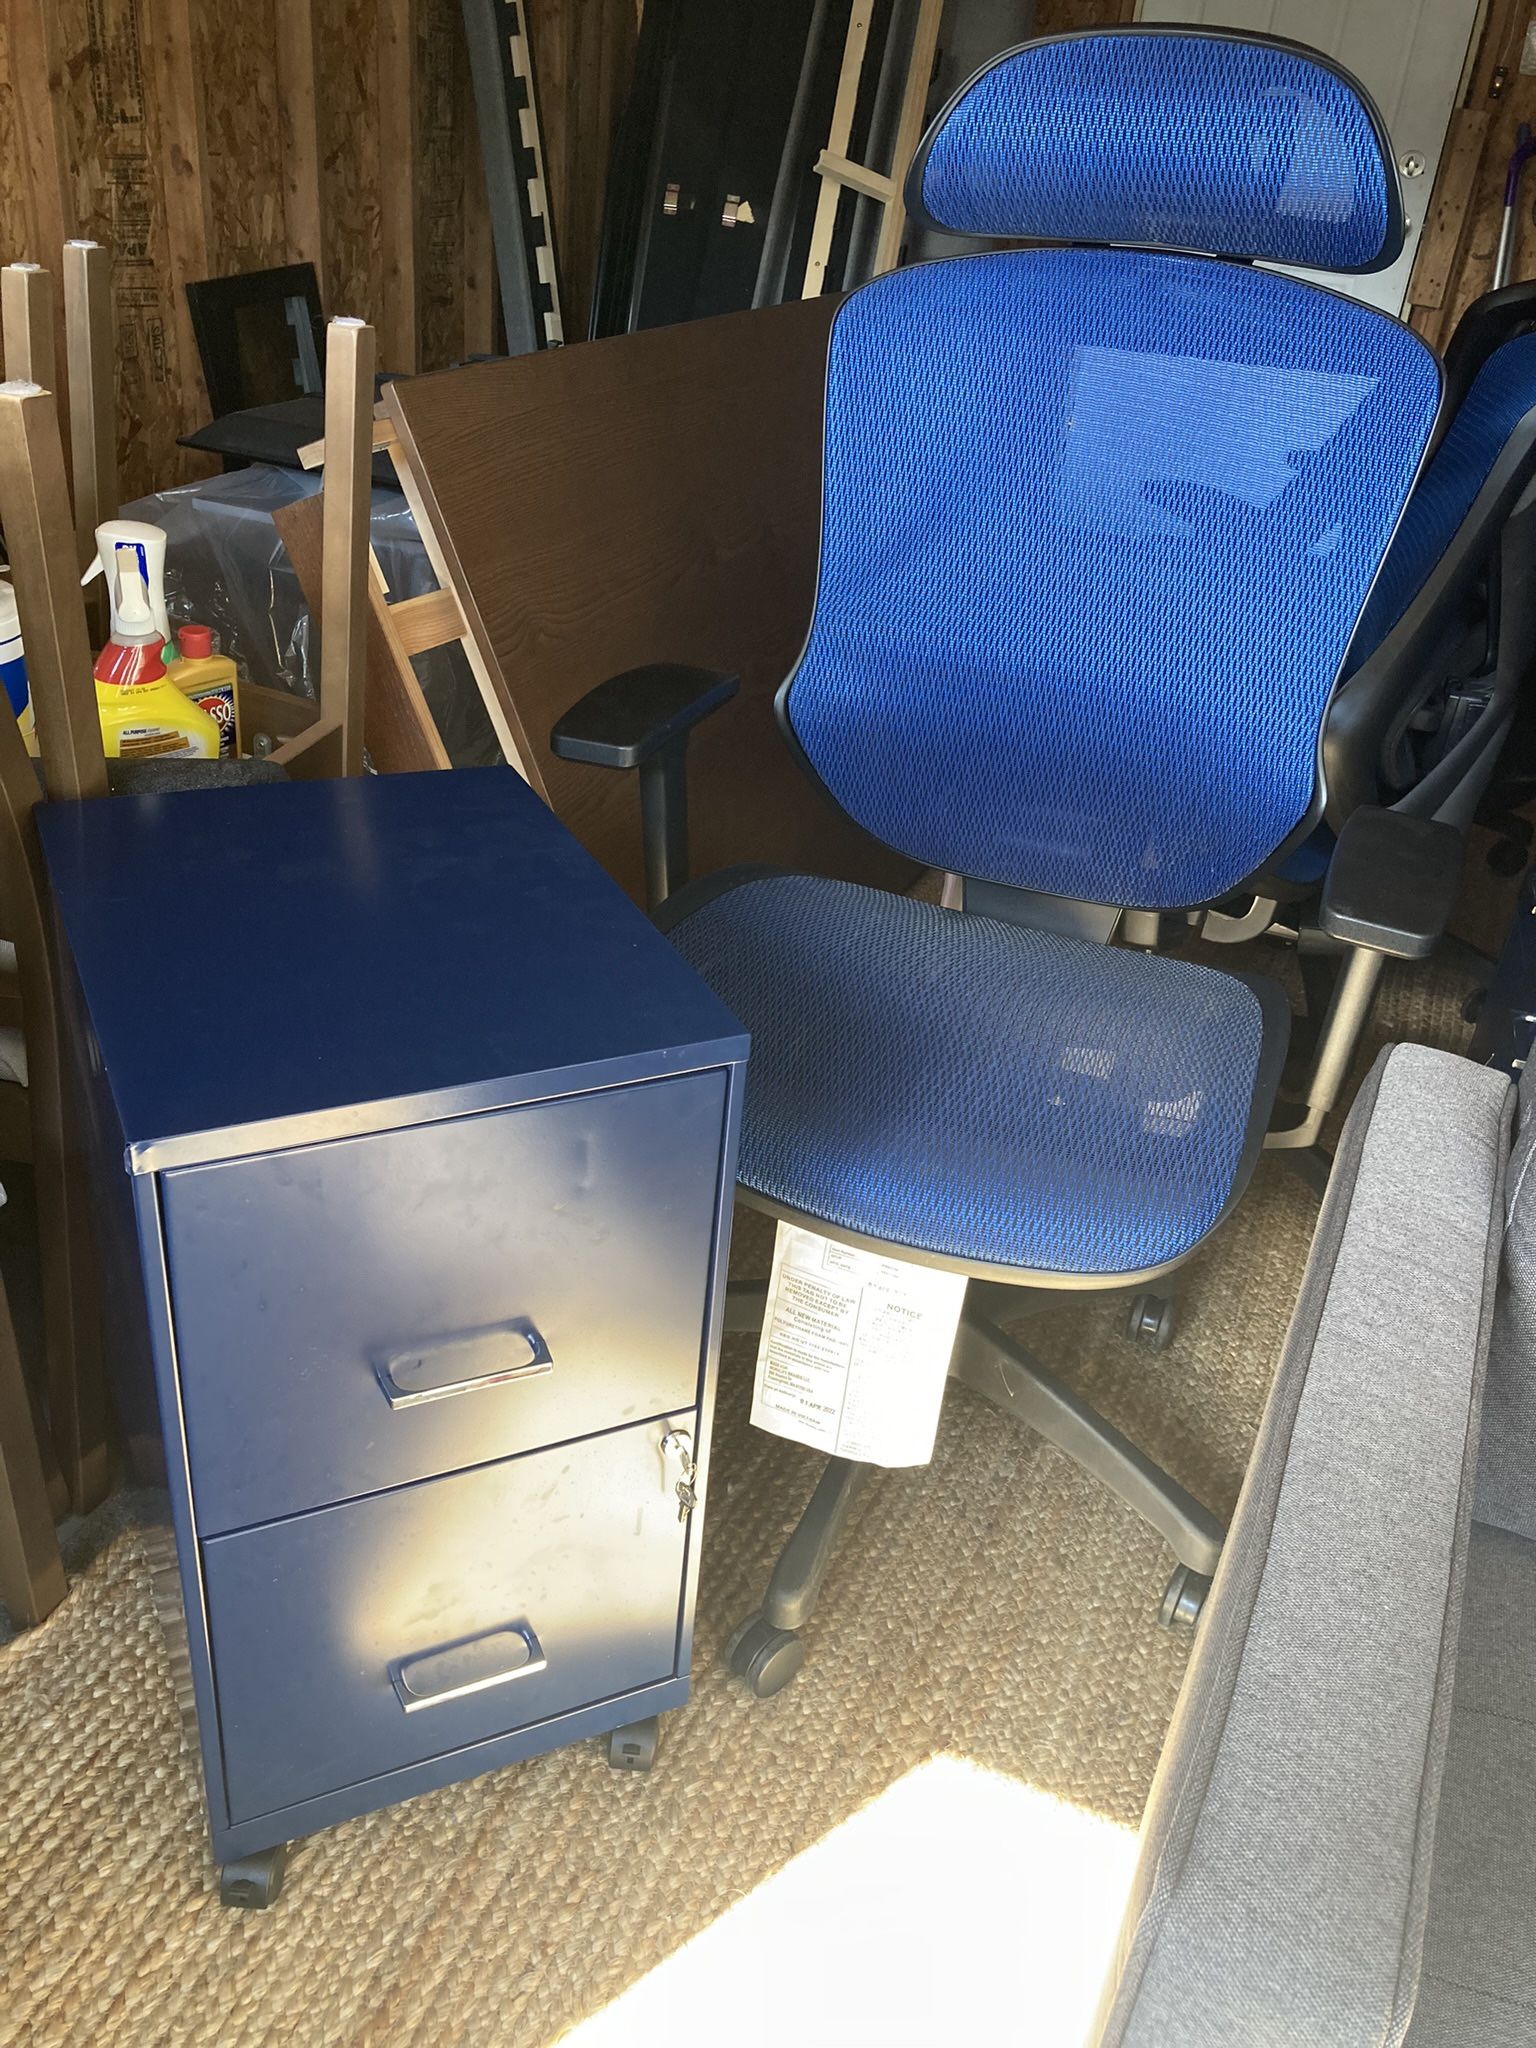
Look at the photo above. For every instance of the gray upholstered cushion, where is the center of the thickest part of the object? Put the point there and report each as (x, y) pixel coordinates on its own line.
(1280, 1895)
(1506, 1479)
(1478, 1985)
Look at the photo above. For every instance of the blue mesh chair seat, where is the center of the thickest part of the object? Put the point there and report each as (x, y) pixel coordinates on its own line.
(976, 1090)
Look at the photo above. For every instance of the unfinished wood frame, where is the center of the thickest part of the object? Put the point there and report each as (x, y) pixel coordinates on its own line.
(34, 510)
(471, 635)
(366, 643)
(40, 536)
(32, 1581)
(399, 731)
(27, 314)
(333, 745)
(92, 366)
(31, 1576)
(839, 135)
(438, 618)
(838, 173)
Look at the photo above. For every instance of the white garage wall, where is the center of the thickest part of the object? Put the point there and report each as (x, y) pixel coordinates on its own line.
(1408, 54)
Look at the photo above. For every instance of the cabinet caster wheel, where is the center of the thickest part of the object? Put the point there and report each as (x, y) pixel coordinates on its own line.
(765, 1656)
(1151, 1319)
(633, 1748)
(1184, 1598)
(253, 1882)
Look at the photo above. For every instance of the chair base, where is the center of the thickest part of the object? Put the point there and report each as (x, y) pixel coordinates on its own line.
(992, 1363)
(767, 1650)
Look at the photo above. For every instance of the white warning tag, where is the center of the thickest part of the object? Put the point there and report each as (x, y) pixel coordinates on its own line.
(855, 1350)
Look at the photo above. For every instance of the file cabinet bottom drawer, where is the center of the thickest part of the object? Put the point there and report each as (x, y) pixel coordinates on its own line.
(354, 1640)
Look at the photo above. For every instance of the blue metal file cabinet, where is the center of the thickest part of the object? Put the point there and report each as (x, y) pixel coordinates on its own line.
(413, 1146)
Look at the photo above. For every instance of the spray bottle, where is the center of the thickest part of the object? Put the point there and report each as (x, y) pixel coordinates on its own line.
(148, 544)
(142, 712)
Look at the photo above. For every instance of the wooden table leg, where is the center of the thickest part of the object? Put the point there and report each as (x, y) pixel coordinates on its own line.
(32, 1581)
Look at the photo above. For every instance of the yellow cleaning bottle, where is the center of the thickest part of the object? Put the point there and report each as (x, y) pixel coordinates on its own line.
(208, 679)
(142, 712)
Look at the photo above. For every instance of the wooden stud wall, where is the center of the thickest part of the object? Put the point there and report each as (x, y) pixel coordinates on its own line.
(195, 139)
(1455, 260)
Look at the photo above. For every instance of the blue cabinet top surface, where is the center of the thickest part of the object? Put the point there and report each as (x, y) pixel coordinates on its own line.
(293, 962)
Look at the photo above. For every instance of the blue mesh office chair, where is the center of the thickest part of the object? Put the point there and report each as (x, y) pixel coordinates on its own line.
(1448, 636)
(1465, 556)
(1098, 526)
(1435, 682)
(1447, 640)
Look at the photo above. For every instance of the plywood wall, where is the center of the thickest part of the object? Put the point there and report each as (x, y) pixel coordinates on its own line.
(195, 138)
(1456, 253)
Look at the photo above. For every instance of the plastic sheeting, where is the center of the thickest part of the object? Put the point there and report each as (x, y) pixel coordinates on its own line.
(226, 567)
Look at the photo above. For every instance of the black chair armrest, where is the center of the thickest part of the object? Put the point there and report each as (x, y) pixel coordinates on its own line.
(1392, 882)
(631, 718)
(642, 719)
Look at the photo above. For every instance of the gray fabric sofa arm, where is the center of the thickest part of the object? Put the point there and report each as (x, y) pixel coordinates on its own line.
(1506, 1477)
(1280, 1897)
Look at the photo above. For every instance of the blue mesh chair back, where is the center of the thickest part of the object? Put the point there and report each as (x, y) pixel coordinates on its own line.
(1169, 139)
(1098, 524)
(1097, 529)
(1500, 396)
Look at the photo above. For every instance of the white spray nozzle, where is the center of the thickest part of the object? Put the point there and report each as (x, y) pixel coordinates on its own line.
(132, 620)
(145, 545)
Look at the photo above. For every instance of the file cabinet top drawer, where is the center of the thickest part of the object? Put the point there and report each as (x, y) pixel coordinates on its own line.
(362, 1639)
(364, 1314)
(406, 946)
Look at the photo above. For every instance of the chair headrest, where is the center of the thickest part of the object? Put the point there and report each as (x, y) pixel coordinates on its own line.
(1187, 139)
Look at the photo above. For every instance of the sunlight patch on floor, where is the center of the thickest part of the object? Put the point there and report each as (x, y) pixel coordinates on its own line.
(960, 1906)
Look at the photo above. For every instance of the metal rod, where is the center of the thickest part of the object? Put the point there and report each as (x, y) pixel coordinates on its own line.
(1347, 1016)
(1520, 156)
(664, 822)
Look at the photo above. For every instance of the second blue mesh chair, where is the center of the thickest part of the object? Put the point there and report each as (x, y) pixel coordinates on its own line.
(1447, 640)
(1099, 523)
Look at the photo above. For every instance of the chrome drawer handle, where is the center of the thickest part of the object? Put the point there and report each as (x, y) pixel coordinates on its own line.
(457, 1365)
(458, 1670)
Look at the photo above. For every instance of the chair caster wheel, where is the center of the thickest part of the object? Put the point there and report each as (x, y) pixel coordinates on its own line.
(253, 1882)
(765, 1656)
(1151, 1319)
(1184, 1598)
(633, 1748)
